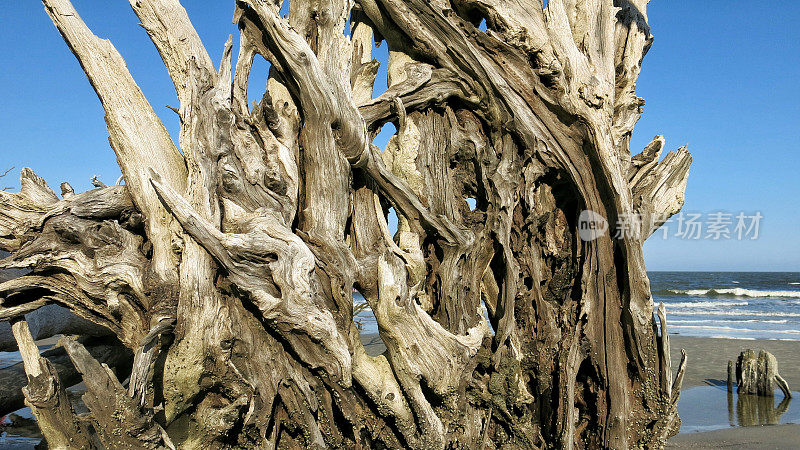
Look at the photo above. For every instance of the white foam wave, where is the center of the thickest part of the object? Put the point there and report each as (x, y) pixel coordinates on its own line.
(738, 330)
(694, 312)
(794, 284)
(702, 304)
(726, 321)
(737, 292)
(740, 338)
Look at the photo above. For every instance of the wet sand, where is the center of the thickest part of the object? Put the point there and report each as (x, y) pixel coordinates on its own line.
(372, 344)
(708, 366)
(707, 358)
(763, 437)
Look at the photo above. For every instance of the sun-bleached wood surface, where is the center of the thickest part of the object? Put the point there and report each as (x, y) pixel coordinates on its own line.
(227, 264)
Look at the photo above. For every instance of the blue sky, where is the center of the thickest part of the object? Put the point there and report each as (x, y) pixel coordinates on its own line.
(721, 77)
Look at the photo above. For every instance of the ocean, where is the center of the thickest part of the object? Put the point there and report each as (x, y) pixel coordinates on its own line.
(738, 305)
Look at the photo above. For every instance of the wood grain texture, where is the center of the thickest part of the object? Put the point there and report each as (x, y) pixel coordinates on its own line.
(13, 378)
(228, 268)
(47, 398)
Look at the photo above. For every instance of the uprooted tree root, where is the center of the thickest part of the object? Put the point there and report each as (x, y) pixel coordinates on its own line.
(228, 267)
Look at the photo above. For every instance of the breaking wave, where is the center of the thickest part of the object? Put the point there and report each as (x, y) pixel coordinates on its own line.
(702, 304)
(695, 312)
(741, 330)
(727, 321)
(731, 292)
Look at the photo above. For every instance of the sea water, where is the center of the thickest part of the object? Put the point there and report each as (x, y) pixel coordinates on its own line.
(738, 305)
(707, 408)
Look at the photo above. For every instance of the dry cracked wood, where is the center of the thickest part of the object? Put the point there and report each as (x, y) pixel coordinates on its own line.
(115, 416)
(46, 397)
(228, 267)
(13, 378)
(757, 375)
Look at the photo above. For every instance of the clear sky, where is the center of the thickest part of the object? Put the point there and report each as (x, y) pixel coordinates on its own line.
(722, 76)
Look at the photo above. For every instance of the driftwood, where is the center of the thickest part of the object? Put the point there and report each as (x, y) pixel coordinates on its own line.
(114, 414)
(13, 378)
(48, 321)
(46, 397)
(227, 266)
(758, 375)
(43, 322)
(731, 375)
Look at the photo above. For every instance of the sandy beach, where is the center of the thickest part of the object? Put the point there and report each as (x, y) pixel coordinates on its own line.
(764, 437)
(707, 367)
(707, 358)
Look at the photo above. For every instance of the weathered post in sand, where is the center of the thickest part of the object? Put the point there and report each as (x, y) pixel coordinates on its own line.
(731, 375)
(227, 265)
(758, 375)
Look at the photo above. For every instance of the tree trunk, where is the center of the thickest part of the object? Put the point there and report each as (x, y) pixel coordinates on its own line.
(758, 375)
(228, 267)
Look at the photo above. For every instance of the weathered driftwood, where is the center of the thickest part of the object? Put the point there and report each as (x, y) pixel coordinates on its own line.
(758, 375)
(731, 375)
(228, 267)
(671, 422)
(48, 321)
(13, 378)
(115, 415)
(46, 397)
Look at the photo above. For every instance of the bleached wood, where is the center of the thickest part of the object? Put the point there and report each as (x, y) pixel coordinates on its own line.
(758, 374)
(228, 268)
(116, 418)
(13, 378)
(135, 132)
(47, 398)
